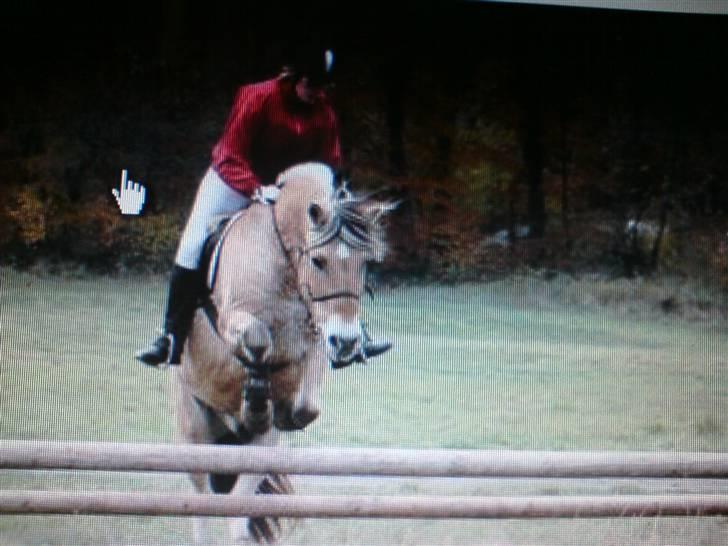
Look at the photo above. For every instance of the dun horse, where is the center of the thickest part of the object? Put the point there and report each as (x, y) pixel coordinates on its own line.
(284, 305)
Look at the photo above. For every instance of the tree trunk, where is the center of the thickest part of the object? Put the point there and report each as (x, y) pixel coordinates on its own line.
(533, 160)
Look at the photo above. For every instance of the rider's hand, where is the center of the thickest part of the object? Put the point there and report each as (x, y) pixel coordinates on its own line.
(267, 194)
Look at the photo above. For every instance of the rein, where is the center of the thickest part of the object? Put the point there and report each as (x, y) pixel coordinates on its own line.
(308, 297)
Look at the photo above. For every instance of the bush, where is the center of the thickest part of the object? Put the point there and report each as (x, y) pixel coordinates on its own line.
(45, 224)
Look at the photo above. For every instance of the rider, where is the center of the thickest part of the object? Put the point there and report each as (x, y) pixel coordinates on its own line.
(273, 125)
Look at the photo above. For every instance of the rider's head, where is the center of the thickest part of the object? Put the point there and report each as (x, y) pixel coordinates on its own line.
(310, 69)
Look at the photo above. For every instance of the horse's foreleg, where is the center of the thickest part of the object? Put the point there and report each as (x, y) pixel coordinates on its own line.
(250, 340)
(245, 530)
(203, 531)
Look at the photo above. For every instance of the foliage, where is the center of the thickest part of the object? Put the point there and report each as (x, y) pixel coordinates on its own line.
(43, 222)
(615, 142)
(28, 213)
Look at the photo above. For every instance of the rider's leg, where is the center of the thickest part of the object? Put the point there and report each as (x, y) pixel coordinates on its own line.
(369, 349)
(372, 347)
(214, 198)
(182, 293)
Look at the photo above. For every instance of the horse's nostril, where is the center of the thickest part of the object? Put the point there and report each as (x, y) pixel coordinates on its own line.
(334, 341)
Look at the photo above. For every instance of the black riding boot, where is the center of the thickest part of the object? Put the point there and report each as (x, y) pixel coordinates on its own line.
(182, 300)
(370, 348)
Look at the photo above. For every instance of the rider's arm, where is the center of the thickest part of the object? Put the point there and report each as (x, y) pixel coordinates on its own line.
(230, 156)
(330, 145)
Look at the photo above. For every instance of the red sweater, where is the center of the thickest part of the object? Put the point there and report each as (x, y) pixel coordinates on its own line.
(269, 130)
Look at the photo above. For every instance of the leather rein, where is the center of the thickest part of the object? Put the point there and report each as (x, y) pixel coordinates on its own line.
(304, 291)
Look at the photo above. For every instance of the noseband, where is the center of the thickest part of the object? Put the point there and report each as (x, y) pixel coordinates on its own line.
(334, 296)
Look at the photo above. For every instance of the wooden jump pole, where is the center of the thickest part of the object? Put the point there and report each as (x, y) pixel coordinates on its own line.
(38, 455)
(156, 504)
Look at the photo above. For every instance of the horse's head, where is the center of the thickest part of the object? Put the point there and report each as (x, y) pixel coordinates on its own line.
(331, 235)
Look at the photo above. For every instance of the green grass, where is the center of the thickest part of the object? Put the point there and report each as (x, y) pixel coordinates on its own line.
(519, 364)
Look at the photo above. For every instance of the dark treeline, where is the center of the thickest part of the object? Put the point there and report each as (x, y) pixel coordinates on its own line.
(514, 135)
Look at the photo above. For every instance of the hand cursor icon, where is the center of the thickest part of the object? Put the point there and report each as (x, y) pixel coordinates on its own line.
(130, 197)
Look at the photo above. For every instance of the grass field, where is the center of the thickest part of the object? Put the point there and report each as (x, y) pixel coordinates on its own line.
(518, 364)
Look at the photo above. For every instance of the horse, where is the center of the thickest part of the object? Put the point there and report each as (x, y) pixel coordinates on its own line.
(285, 304)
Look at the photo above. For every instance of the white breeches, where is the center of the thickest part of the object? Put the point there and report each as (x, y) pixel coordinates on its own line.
(214, 198)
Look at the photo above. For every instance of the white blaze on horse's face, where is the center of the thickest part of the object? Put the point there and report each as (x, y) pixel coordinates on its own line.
(334, 280)
(343, 251)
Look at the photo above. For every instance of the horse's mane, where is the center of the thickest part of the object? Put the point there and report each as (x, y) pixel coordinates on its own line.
(359, 230)
(356, 219)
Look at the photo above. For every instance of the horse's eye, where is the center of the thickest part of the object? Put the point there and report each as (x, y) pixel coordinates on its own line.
(315, 213)
(319, 263)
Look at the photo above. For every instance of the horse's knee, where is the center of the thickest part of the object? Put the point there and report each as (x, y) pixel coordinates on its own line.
(250, 339)
(257, 342)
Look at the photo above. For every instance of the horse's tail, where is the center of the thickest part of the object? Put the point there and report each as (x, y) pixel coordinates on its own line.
(268, 530)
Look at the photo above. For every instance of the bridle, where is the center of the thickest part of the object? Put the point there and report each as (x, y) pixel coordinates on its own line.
(304, 290)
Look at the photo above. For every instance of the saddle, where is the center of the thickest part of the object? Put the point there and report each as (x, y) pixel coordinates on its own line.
(211, 250)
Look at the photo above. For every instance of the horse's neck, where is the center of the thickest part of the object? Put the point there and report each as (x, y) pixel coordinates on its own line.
(252, 262)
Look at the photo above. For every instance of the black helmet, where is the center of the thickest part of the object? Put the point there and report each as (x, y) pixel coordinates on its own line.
(314, 63)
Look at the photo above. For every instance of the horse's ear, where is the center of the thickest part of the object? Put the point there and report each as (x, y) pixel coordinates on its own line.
(281, 180)
(374, 209)
(342, 177)
(341, 185)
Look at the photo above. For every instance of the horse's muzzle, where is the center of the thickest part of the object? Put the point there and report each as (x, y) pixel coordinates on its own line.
(342, 348)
